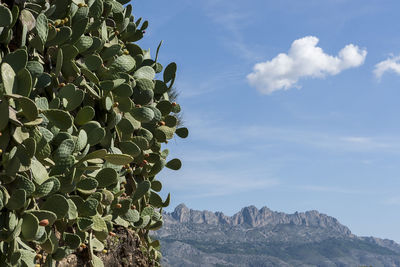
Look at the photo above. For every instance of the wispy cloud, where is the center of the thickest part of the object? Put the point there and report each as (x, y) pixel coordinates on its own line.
(357, 139)
(395, 201)
(218, 81)
(304, 59)
(392, 64)
(212, 182)
(232, 17)
(330, 189)
(206, 128)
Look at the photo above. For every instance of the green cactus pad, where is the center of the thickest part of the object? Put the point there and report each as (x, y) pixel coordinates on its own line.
(160, 87)
(96, 261)
(65, 149)
(84, 223)
(61, 119)
(125, 207)
(27, 257)
(56, 184)
(145, 133)
(69, 52)
(93, 62)
(39, 172)
(24, 81)
(124, 90)
(17, 199)
(88, 208)
(108, 197)
(156, 185)
(174, 164)
(124, 63)
(90, 76)
(182, 132)
(98, 154)
(84, 43)
(51, 243)
(141, 190)
(17, 59)
(99, 224)
(106, 177)
(5, 16)
(134, 49)
(59, 253)
(62, 36)
(118, 159)
(45, 214)
(143, 92)
(73, 97)
(170, 72)
(72, 210)
(35, 69)
(141, 142)
(145, 72)
(95, 136)
(87, 186)
(8, 77)
(84, 115)
(143, 222)
(165, 107)
(73, 241)
(57, 204)
(29, 108)
(131, 216)
(110, 52)
(30, 226)
(170, 121)
(78, 29)
(142, 114)
(130, 148)
(4, 114)
(42, 27)
(164, 133)
(155, 200)
(26, 184)
(97, 245)
(81, 141)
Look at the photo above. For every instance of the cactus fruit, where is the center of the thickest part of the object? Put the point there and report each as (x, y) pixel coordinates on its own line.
(112, 234)
(82, 123)
(44, 222)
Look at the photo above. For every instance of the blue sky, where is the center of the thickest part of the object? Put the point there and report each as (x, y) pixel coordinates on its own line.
(315, 126)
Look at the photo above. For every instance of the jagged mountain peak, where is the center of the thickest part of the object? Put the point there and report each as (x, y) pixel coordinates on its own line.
(251, 216)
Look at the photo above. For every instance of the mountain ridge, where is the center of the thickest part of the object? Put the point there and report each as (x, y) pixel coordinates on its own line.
(262, 237)
(253, 217)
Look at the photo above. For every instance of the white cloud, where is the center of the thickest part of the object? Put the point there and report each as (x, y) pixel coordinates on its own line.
(390, 64)
(304, 59)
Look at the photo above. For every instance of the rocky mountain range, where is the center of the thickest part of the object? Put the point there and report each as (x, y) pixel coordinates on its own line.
(261, 237)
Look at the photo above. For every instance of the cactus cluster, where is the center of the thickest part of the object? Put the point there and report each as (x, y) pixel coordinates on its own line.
(82, 123)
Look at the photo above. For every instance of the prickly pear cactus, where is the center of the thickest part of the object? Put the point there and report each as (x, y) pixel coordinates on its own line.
(84, 112)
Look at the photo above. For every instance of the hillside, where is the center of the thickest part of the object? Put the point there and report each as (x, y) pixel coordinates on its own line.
(254, 237)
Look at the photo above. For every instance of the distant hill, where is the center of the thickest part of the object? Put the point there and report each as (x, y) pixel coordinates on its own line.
(254, 237)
